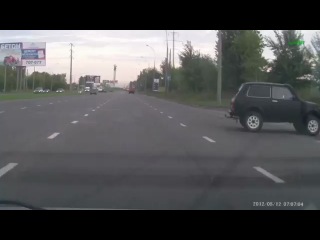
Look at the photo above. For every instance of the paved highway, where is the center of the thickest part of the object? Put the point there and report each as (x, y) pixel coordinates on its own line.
(124, 151)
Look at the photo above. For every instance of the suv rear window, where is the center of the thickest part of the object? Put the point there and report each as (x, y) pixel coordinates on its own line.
(260, 91)
(281, 93)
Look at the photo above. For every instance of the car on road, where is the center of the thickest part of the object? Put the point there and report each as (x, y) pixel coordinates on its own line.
(258, 102)
(87, 89)
(60, 90)
(46, 90)
(38, 90)
(94, 90)
(101, 89)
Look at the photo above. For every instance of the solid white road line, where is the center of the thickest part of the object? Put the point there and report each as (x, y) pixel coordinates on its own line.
(86, 115)
(269, 175)
(53, 135)
(74, 122)
(7, 168)
(1, 112)
(182, 125)
(209, 139)
(23, 108)
(169, 117)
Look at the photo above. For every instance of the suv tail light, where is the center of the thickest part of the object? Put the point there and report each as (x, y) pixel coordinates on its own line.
(233, 104)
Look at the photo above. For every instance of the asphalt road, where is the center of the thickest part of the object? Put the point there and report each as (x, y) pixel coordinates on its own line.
(124, 151)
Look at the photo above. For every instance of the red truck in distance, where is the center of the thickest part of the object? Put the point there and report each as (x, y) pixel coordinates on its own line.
(132, 87)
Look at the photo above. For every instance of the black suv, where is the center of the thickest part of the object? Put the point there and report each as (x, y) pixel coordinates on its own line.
(258, 102)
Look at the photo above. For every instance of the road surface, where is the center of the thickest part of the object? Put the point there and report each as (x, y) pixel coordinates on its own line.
(130, 151)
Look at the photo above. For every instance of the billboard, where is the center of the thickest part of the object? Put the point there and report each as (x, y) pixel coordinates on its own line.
(10, 54)
(155, 86)
(92, 78)
(33, 54)
(23, 54)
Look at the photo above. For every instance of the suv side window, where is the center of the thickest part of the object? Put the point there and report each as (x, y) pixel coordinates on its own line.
(281, 93)
(259, 91)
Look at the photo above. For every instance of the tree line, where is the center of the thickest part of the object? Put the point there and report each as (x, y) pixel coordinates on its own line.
(242, 61)
(34, 80)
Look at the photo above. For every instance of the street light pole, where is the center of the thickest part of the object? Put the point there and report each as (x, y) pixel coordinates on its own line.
(51, 82)
(154, 61)
(219, 67)
(5, 78)
(166, 74)
(34, 72)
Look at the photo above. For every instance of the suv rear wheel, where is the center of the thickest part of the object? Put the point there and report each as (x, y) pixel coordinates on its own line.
(252, 121)
(312, 125)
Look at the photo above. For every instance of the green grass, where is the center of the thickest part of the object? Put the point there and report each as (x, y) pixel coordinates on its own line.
(197, 100)
(31, 95)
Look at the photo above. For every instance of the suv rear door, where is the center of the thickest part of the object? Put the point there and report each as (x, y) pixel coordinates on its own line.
(285, 106)
(259, 96)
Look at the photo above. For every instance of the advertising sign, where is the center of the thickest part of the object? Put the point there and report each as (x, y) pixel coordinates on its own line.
(10, 54)
(33, 54)
(92, 78)
(155, 85)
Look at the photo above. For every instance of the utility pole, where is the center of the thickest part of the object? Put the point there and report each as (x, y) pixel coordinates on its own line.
(51, 82)
(34, 73)
(168, 87)
(26, 80)
(219, 67)
(173, 35)
(5, 78)
(167, 69)
(17, 83)
(114, 75)
(20, 78)
(71, 45)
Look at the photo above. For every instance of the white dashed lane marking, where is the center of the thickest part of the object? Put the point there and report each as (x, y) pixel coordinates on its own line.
(1, 112)
(23, 108)
(52, 136)
(169, 117)
(51, 103)
(209, 139)
(93, 110)
(269, 175)
(74, 122)
(38, 105)
(86, 115)
(182, 125)
(161, 112)
(7, 168)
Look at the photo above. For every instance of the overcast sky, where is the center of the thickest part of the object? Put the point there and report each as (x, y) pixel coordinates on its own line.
(96, 51)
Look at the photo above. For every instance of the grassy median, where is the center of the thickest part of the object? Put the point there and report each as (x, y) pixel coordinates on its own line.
(198, 100)
(31, 95)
